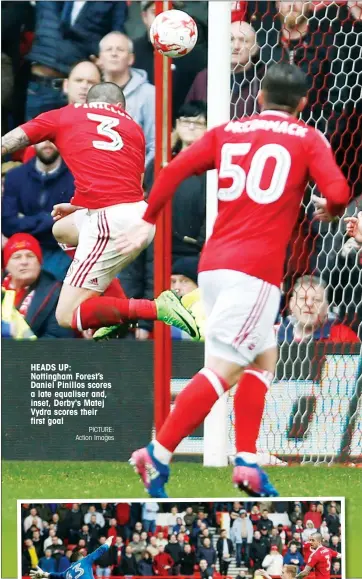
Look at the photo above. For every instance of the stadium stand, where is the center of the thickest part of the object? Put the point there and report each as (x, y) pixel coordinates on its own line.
(178, 542)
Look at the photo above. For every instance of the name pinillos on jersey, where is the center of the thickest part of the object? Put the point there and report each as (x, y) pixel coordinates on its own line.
(103, 147)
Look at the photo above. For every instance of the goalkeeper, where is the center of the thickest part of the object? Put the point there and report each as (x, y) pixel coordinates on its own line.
(81, 568)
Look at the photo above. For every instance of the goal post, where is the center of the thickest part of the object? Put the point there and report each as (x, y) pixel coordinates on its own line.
(218, 112)
(162, 243)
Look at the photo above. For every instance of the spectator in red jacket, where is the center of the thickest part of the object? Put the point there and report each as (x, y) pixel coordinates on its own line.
(310, 316)
(313, 515)
(163, 562)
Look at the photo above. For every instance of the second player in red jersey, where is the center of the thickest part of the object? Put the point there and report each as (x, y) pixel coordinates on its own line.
(319, 559)
(264, 164)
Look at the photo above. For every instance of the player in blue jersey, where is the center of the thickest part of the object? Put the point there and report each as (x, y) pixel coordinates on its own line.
(82, 568)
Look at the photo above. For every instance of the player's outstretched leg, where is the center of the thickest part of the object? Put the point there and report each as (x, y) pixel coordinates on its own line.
(192, 406)
(107, 311)
(249, 405)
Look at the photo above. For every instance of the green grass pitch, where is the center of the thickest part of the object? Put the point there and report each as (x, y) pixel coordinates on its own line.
(67, 480)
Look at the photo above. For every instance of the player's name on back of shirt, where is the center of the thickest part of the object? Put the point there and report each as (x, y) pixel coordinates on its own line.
(285, 127)
(103, 106)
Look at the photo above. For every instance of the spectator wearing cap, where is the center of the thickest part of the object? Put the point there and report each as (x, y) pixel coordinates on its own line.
(265, 522)
(311, 319)
(36, 291)
(224, 549)
(30, 192)
(242, 537)
(66, 33)
(273, 562)
(245, 76)
(116, 60)
(184, 70)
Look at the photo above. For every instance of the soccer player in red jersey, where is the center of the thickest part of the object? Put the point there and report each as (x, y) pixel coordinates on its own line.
(319, 559)
(264, 164)
(104, 148)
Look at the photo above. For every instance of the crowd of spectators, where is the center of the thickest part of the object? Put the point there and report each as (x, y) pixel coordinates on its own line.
(53, 52)
(200, 540)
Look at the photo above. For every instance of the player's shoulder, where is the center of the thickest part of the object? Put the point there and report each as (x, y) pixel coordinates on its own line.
(316, 136)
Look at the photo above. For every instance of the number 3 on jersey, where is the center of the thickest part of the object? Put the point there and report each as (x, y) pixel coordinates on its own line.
(105, 128)
(251, 181)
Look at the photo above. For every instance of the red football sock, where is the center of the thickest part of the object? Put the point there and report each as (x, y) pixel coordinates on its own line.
(192, 406)
(115, 290)
(106, 311)
(249, 402)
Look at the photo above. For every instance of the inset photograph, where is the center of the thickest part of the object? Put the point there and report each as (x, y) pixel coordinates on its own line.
(276, 539)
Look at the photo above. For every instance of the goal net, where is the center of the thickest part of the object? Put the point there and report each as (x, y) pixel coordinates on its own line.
(314, 406)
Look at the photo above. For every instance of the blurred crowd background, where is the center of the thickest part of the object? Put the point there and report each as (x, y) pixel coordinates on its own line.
(200, 540)
(53, 52)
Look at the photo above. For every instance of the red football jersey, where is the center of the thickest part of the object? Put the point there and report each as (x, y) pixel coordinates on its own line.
(103, 147)
(321, 559)
(264, 163)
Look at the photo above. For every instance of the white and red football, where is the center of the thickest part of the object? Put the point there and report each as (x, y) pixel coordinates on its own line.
(173, 33)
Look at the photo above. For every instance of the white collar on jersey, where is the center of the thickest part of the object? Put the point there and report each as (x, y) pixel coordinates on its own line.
(277, 113)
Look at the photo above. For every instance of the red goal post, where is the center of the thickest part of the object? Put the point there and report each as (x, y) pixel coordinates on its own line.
(162, 243)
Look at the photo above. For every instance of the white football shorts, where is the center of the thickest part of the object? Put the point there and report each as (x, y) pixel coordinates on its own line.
(240, 315)
(97, 260)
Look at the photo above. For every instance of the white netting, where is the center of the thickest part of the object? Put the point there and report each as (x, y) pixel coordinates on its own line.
(313, 409)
